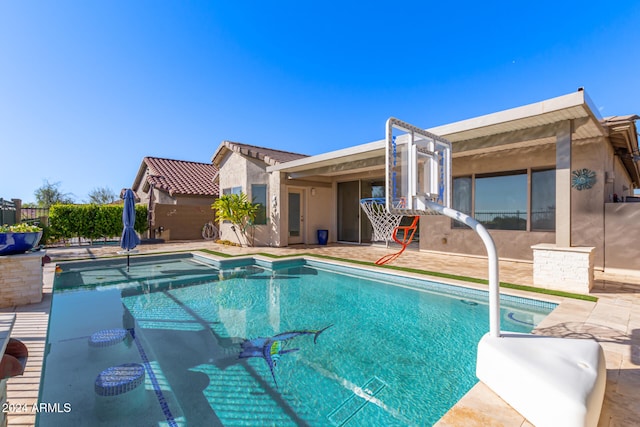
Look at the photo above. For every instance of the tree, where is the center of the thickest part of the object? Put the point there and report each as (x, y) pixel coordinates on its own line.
(237, 209)
(102, 196)
(50, 194)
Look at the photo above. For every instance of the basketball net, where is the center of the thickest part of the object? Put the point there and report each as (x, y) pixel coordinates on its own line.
(382, 221)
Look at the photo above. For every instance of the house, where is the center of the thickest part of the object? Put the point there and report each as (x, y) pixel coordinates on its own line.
(543, 177)
(178, 194)
(245, 172)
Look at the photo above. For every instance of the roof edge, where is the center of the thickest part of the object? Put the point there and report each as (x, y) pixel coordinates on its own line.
(574, 99)
(343, 152)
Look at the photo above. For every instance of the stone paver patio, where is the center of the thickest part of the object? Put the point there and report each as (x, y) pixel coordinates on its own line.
(614, 321)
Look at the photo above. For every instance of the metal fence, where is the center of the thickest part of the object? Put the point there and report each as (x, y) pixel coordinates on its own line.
(7, 212)
(514, 220)
(35, 215)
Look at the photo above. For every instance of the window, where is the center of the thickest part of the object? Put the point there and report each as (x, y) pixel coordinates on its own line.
(461, 198)
(501, 201)
(259, 195)
(232, 190)
(543, 200)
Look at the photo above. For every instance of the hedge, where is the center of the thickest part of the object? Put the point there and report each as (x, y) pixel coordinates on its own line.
(92, 221)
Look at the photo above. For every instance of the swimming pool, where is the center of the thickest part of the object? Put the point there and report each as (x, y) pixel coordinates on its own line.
(253, 342)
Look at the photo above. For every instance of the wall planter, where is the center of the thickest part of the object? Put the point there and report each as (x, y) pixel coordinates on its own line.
(18, 239)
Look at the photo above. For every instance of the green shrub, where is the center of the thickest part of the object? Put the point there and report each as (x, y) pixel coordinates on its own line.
(92, 221)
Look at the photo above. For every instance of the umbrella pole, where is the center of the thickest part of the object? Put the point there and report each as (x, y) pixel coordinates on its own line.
(127, 261)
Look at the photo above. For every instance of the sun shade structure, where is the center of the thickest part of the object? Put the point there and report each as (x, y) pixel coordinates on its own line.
(129, 238)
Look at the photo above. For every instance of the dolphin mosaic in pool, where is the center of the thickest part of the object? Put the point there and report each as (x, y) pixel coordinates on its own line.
(271, 348)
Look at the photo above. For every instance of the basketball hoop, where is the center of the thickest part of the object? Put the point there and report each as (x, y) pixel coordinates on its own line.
(382, 221)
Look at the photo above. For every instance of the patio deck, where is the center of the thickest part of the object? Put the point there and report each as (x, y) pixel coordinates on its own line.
(614, 321)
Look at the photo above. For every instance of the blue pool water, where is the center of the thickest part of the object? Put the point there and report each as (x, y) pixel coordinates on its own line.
(390, 355)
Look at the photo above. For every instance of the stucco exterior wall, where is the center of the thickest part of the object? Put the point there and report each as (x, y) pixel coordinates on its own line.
(319, 212)
(194, 200)
(437, 234)
(587, 220)
(256, 174)
(232, 173)
(237, 170)
(317, 208)
(622, 228)
(180, 222)
(162, 197)
(275, 200)
(588, 211)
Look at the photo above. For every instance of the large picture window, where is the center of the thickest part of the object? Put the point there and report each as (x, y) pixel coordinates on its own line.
(543, 200)
(259, 196)
(501, 201)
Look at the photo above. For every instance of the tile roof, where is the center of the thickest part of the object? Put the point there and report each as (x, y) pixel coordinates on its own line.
(181, 176)
(267, 155)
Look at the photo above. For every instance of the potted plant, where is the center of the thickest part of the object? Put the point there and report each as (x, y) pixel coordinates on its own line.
(18, 238)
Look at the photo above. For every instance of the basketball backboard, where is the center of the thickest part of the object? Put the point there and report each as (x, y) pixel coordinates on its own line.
(418, 169)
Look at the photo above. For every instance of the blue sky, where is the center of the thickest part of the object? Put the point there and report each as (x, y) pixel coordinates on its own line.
(88, 88)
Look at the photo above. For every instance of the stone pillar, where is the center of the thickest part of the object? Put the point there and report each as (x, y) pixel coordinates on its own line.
(567, 269)
(21, 279)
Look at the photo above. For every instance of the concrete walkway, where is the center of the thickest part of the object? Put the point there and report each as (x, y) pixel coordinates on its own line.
(614, 321)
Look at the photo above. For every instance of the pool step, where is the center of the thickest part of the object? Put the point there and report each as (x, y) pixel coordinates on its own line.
(354, 403)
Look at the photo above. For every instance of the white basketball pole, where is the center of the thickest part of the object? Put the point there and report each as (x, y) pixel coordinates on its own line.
(492, 253)
(419, 204)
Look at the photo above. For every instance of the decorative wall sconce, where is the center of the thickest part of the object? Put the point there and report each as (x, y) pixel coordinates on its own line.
(583, 179)
(313, 192)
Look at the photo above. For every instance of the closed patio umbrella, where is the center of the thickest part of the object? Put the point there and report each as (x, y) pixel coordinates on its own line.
(129, 238)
